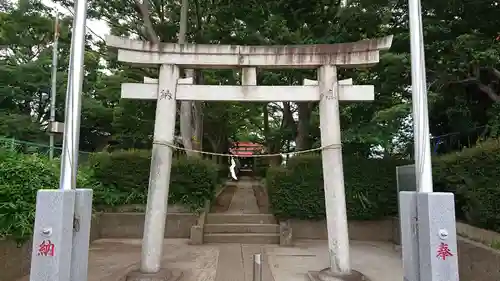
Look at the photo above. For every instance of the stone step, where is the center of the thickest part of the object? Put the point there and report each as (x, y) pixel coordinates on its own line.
(240, 219)
(242, 238)
(242, 228)
(231, 183)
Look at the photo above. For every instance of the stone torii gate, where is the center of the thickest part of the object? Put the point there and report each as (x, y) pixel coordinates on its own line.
(327, 90)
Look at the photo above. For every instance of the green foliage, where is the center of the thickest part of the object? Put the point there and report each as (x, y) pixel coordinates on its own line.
(462, 55)
(26, 147)
(20, 178)
(261, 166)
(123, 179)
(462, 59)
(26, 42)
(193, 182)
(473, 175)
(123, 176)
(117, 179)
(296, 191)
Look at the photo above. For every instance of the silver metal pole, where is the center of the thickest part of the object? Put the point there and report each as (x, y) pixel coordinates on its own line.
(423, 169)
(69, 159)
(53, 90)
(257, 267)
(428, 217)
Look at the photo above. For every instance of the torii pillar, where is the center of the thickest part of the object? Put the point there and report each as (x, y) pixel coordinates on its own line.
(327, 90)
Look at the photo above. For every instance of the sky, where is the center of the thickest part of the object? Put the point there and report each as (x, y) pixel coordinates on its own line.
(98, 27)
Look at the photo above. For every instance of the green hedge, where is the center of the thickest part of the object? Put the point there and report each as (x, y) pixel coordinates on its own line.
(474, 176)
(124, 179)
(20, 177)
(261, 166)
(119, 178)
(296, 191)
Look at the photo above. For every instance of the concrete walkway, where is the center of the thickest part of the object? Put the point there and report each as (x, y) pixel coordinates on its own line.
(378, 261)
(235, 262)
(244, 201)
(111, 259)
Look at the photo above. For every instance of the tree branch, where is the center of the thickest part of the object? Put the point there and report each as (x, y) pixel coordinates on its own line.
(495, 72)
(489, 91)
(148, 25)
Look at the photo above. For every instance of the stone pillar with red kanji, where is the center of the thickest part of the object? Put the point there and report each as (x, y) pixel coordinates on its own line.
(437, 236)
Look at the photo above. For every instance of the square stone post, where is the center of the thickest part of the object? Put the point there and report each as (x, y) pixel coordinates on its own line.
(159, 178)
(53, 235)
(333, 177)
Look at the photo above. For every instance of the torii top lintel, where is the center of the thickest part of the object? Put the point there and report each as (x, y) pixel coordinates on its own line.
(354, 54)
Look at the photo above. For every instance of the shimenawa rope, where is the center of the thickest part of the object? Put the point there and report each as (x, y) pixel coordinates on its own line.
(334, 146)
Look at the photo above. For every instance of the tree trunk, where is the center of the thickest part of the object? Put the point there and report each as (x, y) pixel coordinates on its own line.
(185, 126)
(198, 117)
(302, 140)
(186, 113)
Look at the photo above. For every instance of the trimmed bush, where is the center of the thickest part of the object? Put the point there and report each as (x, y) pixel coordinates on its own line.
(20, 178)
(193, 182)
(474, 176)
(124, 179)
(296, 191)
(261, 166)
(118, 178)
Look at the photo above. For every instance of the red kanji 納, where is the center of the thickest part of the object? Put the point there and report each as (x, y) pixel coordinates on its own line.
(443, 251)
(46, 248)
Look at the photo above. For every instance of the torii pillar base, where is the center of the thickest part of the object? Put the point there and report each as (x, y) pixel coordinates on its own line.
(327, 275)
(162, 275)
